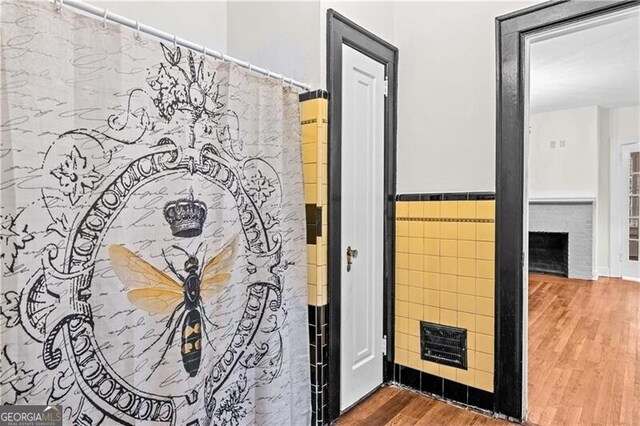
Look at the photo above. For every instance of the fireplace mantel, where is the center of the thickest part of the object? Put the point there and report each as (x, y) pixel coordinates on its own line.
(562, 200)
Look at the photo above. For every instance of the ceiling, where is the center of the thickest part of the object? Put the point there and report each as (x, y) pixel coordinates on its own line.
(597, 63)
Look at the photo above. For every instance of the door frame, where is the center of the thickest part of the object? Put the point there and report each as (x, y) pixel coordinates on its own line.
(510, 327)
(341, 30)
(615, 230)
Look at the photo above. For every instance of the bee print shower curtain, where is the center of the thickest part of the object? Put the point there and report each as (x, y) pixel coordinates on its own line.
(153, 264)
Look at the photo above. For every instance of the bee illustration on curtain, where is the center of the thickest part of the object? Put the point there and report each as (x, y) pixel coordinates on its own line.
(152, 290)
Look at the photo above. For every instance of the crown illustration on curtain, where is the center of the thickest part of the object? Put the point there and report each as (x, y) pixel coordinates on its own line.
(186, 216)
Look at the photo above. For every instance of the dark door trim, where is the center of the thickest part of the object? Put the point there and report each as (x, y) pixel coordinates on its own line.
(511, 32)
(341, 30)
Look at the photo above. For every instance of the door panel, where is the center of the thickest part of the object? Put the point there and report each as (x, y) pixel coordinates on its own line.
(362, 225)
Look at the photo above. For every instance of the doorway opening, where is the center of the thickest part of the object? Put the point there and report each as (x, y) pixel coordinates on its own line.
(362, 86)
(545, 131)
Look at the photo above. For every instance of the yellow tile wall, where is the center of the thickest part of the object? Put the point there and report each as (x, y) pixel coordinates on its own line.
(445, 275)
(313, 116)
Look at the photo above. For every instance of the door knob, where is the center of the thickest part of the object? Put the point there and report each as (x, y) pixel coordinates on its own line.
(351, 254)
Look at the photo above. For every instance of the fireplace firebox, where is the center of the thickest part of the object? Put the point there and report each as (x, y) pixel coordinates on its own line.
(549, 253)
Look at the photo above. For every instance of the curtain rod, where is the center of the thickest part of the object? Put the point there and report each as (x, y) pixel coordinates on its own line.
(105, 15)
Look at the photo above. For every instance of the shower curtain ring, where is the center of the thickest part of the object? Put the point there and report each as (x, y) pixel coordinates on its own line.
(175, 41)
(268, 73)
(204, 51)
(104, 18)
(138, 31)
(59, 4)
(250, 66)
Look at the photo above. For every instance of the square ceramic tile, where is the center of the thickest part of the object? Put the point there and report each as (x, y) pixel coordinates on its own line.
(432, 264)
(484, 325)
(402, 276)
(431, 297)
(485, 306)
(402, 309)
(485, 269)
(449, 300)
(484, 362)
(402, 244)
(431, 209)
(449, 230)
(484, 381)
(466, 303)
(449, 248)
(467, 285)
(449, 282)
(416, 278)
(431, 246)
(401, 340)
(466, 267)
(485, 250)
(401, 356)
(449, 209)
(415, 209)
(466, 320)
(449, 265)
(485, 231)
(432, 229)
(416, 245)
(416, 262)
(416, 229)
(415, 296)
(431, 314)
(485, 287)
(484, 343)
(431, 280)
(402, 292)
(448, 317)
(486, 209)
(466, 249)
(466, 231)
(401, 325)
(415, 311)
(402, 209)
(467, 209)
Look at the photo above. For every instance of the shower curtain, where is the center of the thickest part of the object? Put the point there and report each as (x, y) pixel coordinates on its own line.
(153, 250)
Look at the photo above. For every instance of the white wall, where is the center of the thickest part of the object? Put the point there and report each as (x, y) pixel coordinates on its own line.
(446, 102)
(569, 171)
(377, 17)
(446, 110)
(197, 21)
(280, 36)
(603, 262)
(624, 122)
(290, 37)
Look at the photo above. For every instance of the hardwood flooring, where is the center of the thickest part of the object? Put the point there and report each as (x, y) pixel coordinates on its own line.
(584, 342)
(392, 405)
(584, 363)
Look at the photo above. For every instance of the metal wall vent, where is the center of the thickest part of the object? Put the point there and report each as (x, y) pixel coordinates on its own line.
(443, 344)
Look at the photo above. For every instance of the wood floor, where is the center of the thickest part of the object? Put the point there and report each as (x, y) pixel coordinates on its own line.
(395, 406)
(584, 363)
(584, 338)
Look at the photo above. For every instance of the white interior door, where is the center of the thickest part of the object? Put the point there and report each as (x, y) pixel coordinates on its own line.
(361, 358)
(629, 205)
